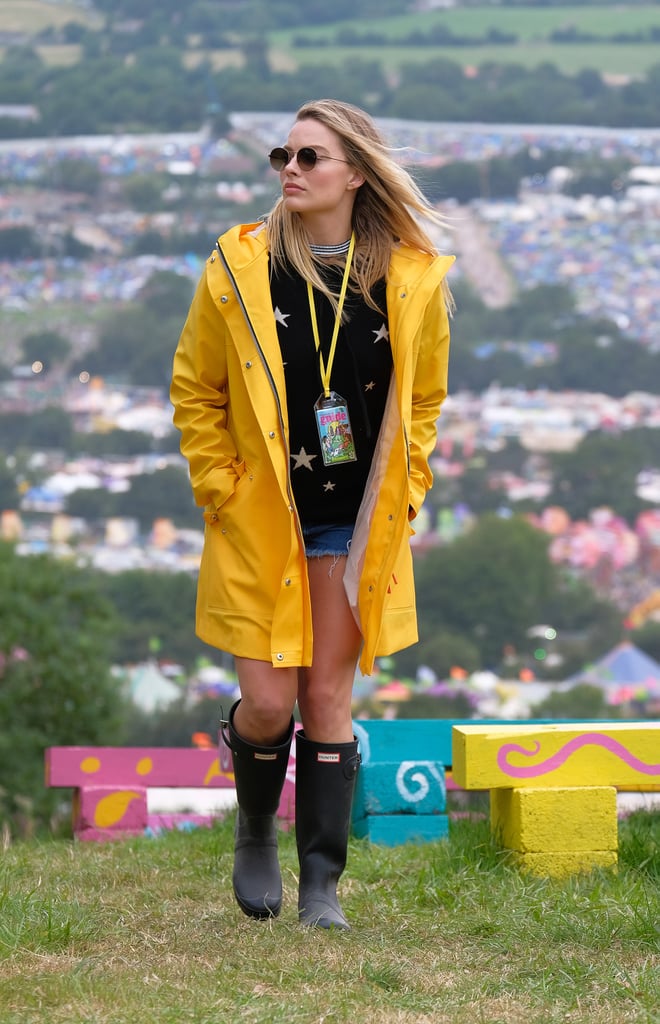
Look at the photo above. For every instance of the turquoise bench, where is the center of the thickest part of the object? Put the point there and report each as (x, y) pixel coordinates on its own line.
(401, 789)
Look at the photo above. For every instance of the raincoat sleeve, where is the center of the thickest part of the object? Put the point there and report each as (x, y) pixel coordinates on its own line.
(200, 395)
(428, 393)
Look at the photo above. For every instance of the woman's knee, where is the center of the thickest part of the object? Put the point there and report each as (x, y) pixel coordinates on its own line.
(325, 697)
(262, 722)
(267, 700)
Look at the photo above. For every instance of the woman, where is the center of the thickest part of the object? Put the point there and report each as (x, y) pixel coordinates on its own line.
(306, 385)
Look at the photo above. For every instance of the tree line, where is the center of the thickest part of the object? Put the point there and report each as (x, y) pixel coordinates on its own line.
(156, 91)
(443, 35)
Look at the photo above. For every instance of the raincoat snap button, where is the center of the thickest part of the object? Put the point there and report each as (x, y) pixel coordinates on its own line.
(390, 517)
(248, 366)
(371, 587)
(287, 583)
(223, 530)
(224, 299)
(271, 433)
(280, 657)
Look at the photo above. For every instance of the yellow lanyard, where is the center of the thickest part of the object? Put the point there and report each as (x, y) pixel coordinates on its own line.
(326, 369)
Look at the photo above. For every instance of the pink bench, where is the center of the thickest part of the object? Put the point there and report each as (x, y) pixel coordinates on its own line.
(110, 786)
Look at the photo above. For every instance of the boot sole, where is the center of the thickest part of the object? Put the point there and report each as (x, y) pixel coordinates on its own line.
(329, 926)
(261, 913)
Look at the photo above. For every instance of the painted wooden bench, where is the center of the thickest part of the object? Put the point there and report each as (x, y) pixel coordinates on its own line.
(110, 786)
(400, 796)
(401, 792)
(553, 786)
(406, 773)
(401, 788)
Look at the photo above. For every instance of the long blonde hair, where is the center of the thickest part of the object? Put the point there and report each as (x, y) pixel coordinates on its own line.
(388, 206)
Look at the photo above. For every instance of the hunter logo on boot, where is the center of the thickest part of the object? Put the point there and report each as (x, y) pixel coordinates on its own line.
(325, 758)
(264, 757)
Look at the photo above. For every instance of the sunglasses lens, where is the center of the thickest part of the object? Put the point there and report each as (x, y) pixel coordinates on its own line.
(306, 158)
(279, 158)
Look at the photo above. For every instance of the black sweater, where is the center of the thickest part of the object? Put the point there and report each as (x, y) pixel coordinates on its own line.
(360, 374)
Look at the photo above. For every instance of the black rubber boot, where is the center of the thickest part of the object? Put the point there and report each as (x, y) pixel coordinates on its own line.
(259, 773)
(325, 780)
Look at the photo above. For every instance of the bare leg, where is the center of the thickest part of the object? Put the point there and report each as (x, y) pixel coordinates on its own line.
(327, 752)
(325, 689)
(268, 696)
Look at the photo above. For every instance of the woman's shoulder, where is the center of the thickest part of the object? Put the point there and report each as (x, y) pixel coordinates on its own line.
(407, 260)
(240, 244)
(238, 233)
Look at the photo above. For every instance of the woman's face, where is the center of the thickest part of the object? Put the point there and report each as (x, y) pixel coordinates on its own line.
(329, 187)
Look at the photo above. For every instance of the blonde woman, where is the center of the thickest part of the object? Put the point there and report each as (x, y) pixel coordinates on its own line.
(306, 385)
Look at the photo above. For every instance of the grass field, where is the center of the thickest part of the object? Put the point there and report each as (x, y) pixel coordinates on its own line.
(528, 23)
(531, 25)
(33, 16)
(445, 933)
(606, 58)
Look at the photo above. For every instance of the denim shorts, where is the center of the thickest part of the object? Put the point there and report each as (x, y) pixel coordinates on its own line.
(327, 539)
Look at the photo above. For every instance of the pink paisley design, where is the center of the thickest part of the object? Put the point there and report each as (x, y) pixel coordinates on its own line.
(562, 755)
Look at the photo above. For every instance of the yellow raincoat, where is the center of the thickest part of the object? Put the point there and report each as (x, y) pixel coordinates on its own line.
(229, 399)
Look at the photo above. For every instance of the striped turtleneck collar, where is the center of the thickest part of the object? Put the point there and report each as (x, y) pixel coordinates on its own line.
(330, 250)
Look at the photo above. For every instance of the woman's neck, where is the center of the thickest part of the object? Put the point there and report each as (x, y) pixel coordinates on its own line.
(330, 231)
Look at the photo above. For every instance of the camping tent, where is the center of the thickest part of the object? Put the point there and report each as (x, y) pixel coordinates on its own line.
(624, 665)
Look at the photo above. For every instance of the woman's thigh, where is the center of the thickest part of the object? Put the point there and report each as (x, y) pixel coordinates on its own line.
(326, 688)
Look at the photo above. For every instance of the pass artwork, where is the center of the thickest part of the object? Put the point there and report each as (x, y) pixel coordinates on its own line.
(335, 435)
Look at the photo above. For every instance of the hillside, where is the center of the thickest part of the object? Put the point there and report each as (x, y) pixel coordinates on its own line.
(68, 69)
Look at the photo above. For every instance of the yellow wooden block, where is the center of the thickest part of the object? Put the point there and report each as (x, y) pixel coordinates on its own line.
(563, 865)
(588, 754)
(564, 820)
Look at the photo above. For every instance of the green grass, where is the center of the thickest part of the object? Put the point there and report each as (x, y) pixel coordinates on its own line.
(147, 930)
(625, 60)
(532, 26)
(33, 16)
(528, 23)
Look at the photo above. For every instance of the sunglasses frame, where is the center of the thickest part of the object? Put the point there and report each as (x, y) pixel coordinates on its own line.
(278, 161)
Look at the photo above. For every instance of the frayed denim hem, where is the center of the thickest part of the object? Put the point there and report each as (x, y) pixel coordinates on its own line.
(321, 541)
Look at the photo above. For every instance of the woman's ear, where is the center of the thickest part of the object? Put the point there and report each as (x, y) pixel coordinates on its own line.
(355, 180)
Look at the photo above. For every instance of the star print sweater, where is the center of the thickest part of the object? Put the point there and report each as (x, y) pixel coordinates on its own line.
(361, 373)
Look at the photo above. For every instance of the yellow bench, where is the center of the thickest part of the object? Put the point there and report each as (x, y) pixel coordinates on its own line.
(553, 787)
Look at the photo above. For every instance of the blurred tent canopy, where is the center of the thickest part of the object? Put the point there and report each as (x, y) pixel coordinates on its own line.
(625, 665)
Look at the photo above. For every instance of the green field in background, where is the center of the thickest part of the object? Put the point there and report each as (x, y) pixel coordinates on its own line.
(607, 58)
(531, 25)
(527, 22)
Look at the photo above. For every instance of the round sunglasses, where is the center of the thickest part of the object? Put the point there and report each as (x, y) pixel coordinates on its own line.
(307, 158)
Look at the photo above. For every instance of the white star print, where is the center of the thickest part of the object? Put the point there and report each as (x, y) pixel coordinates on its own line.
(329, 486)
(370, 386)
(382, 334)
(280, 317)
(302, 459)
